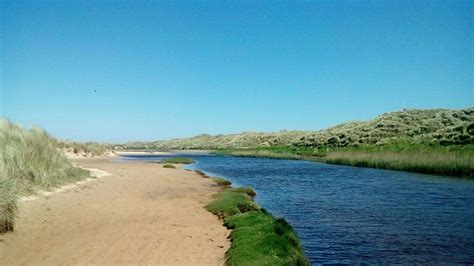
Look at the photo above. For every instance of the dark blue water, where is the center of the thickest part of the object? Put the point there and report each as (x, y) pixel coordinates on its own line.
(353, 215)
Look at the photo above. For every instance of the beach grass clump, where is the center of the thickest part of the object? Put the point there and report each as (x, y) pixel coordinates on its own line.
(228, 203)
(257, 237)
(169, 166)
(29, 160)
(177, 160)
(8, 205)
(260, 239)
(201, 173)
(222, 182)
(245, 190)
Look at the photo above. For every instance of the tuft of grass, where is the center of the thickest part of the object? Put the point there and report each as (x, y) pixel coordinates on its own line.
(260, 239)
(245, 190)
(169, 166)
(257, 237)
(229, 203)
(29, 159)
(221, 182)
(8, 205)
(201, 173)
(180, 160)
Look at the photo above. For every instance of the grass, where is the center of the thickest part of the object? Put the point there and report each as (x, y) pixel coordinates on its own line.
(260, 239)
(453, 160)
(228, 203)
(177, 160)
(453, 164)
(221, 182)
(87, 148)
(245, 190)
(201, 173)
(169, 166)
(29, 160)
(257, 237)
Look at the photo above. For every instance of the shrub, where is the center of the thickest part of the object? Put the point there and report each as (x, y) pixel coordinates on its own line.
(169, 166)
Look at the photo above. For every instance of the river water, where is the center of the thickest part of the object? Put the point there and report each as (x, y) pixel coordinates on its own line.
(352, 215)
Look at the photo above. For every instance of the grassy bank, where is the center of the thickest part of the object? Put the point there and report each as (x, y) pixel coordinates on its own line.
(257, 237)
(29, 160)
(177, 160)
(455, 160)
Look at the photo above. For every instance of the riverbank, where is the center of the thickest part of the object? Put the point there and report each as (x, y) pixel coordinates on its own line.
(257, 237)
(455, 161)
(142, 213)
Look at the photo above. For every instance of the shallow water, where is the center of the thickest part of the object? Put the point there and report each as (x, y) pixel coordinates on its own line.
(353, 215)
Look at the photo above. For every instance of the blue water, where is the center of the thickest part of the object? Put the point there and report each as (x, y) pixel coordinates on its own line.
(353, 215)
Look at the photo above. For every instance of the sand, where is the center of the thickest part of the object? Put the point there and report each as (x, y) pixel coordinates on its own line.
(140, 214)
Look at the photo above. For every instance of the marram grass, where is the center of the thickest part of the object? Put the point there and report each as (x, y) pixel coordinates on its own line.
(29, 159)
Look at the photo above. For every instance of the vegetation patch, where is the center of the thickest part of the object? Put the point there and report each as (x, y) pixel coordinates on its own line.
(201, 173)
(29, 159)
(245, 190)
(260, 239)
(169, 166)
(222, 182)
(228, 203)
(257, 237)
(453, 160)
(177, 160)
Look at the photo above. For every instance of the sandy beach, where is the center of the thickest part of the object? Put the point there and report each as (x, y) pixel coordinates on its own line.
(140, 214)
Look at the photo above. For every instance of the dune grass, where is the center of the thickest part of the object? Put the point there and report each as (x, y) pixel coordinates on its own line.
(169, 166)
(29, 160)
(177, 160)
(257, 237)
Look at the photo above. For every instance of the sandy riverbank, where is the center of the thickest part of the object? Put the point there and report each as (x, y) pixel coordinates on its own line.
(141, 214)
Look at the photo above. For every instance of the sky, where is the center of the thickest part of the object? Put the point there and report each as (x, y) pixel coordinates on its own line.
(143, 70)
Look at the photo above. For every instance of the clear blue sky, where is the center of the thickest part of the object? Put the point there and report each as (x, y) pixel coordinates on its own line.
(144, 71)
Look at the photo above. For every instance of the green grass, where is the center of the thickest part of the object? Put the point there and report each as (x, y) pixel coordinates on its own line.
(169, 166)
(257, 237)
(260, 239)
(180, 160)
(201, 173)
(29, 160)
(222, 182)
(228, 203)
(245, 190)
(453, 160)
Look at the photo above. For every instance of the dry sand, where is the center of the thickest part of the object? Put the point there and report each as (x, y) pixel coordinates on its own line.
(141, 214)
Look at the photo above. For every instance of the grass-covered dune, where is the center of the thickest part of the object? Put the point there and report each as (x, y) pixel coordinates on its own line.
(29, 160)
(87, 149)
(417, 126)
(435, 141)
(257, 237)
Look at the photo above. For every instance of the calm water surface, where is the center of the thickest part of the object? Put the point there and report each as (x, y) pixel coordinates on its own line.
(353, 215)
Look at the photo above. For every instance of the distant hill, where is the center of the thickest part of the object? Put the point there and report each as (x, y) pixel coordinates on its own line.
(430, 126)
